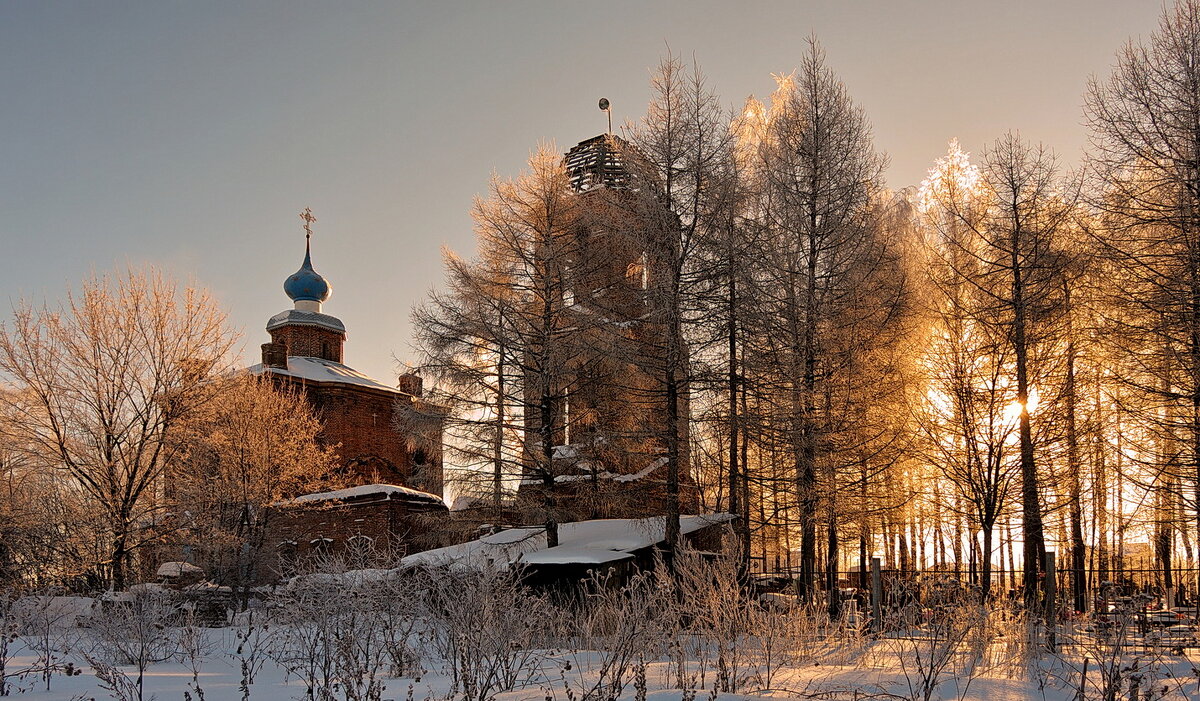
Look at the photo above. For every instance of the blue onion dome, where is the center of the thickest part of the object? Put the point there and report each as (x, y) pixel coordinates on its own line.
(307, 284)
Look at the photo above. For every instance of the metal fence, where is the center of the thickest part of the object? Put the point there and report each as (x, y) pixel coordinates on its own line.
(1102, 588)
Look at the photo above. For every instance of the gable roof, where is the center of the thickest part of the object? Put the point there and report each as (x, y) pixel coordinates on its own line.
(386, 491)
(585, 542)
(323, 371)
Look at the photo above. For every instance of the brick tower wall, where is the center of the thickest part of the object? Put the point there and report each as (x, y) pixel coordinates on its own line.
(310, 341)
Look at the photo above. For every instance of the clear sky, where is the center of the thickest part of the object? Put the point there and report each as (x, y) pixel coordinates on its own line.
(191, 135)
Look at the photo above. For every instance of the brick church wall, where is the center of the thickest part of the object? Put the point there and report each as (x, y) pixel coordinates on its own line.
(356, 420)
(302, 531)
(360, 420)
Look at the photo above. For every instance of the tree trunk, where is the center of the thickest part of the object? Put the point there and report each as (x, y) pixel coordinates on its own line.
(120, 554)
(735, 487)
(547, 437)
(831, 559)
(1031, 510)
(1074, 486)
(985, 564)
(498, 439)
(673, 426)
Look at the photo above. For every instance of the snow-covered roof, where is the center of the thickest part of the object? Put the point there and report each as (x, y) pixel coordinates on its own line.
(588, 472)
(387, 491)
(301, 317)
(178, 569)
(574, 556)
(596, 541)
(498, 549)
(321, 370)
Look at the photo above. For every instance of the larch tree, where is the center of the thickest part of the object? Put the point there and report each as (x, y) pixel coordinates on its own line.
(509, 335)
(1016, 241)
(730, 265)
(1145, 135)
(834, 282)
(463, 335)
(684, 155)
(107, 381)
(964, 406)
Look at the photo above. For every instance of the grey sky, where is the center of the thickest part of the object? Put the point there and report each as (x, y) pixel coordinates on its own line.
(190, 135)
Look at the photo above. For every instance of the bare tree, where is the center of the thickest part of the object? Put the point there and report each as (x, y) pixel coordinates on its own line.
(1014, 239)
(254, 444)
(965, 409)
(684, 155)
(462, 334)
(1146, 159)
(106, 381)
(508, 338)
(832, 280)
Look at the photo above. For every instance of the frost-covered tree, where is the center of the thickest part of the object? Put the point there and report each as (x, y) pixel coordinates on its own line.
(1146, 159)
(1008, 252)
(506, 342)
(835, 286)
(104, 382)
(684, 152)
(965, 405)
(254, 444)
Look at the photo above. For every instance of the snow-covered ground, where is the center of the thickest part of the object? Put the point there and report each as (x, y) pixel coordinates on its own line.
(564, 675)
(475, 635)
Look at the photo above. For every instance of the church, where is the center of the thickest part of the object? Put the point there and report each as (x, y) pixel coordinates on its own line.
(393, 480)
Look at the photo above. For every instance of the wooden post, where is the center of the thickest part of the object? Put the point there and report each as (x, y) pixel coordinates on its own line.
(876, 597)
(1049, 586)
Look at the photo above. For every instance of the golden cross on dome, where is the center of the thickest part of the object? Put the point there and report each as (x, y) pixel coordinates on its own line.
(308, 218)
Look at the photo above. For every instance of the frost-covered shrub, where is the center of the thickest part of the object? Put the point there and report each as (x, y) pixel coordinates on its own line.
(330, 636)
(48, 624)
(935, 636)
(304, 643)
(253, 645)
(132, 628)
(8, 639)
(398, 596)
(608, 629)
(714, 608)
(484, 624)
(193, 647)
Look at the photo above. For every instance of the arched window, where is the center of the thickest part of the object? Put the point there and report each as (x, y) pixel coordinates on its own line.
(286, 552)
(321, 547)
(636, 273)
